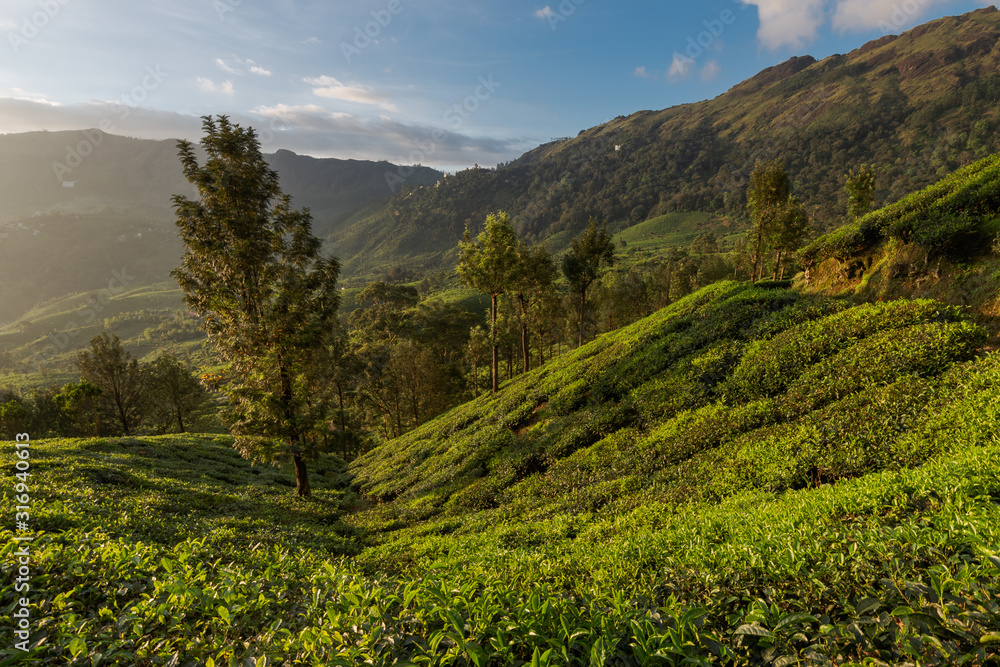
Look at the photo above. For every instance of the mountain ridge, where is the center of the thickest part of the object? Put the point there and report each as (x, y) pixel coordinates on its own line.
(916, 105)
(77, 205)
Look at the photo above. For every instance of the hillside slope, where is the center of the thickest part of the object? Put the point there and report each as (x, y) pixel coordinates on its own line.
(940, 242)
(734, 388)
(750, 476)
(918, 106)
(64, 232)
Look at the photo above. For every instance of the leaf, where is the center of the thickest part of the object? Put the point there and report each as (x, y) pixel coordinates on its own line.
(786, 660)
(902, 611)
(77, 646)
(991, 638)
(753, 631)
(476, 653)
(795, 619)
(867, 605)
(597, 653)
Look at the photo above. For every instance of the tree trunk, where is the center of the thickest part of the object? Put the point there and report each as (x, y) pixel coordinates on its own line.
(301, 477)
(525, 350)
(583, 309)
(343, 419)
(495, 366)
(756, 252)
(475, 379)
(777, 263)
(399, 417)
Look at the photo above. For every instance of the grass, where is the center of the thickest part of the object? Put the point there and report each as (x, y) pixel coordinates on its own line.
(644, 500)
(676, 230)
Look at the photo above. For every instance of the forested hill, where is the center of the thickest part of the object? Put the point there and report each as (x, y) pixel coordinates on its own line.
(82, 171)
(77, 206)
(918, 105)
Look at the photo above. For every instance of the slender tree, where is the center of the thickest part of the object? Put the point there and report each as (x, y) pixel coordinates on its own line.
(767, 195)
(582, 264)
(860, 187)
(490, 264)
(120, 378)
(790, 227)
(252, 269)
(175, 392)
(537, 271)
(475, 351)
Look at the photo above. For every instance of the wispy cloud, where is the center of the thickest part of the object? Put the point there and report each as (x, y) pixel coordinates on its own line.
(257, 69)
(790, 23)
(545, 13)
(239, 67)
(329, 87)
(308, 129)
(794, 23)
(859, 15)
(711, 70)
(224, 67)
(681, 67)
(209, 86)
(641, 72)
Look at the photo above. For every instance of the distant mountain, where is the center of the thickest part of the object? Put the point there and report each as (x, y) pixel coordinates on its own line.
(918, 106)
(77, 206)
(82, 171)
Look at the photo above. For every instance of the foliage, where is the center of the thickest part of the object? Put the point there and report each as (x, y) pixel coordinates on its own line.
(176, 393)
(491, 265)
(582, 264)
(122, 382)
(253, 270)
(951, 217)
(860, 188)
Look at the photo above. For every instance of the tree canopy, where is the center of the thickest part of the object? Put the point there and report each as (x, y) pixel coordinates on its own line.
(252, 268)
(582, 264)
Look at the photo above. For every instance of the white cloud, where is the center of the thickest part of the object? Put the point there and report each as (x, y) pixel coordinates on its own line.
(306, 129)
(24, 115)
(680, 68)
(23, 95)
(545, 13)
(239, 67)
(209, 86)
(891, 15)
(315, 130)
(327, 86)
(224, 67)
(790, 23)
(257, 69)
(315, 41)
(711, 70)
(641, 72)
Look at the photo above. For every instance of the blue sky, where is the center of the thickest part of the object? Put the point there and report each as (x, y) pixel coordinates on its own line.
(440, 82)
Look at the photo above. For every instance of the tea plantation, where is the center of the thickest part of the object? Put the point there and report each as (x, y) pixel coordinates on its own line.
(749, 476)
